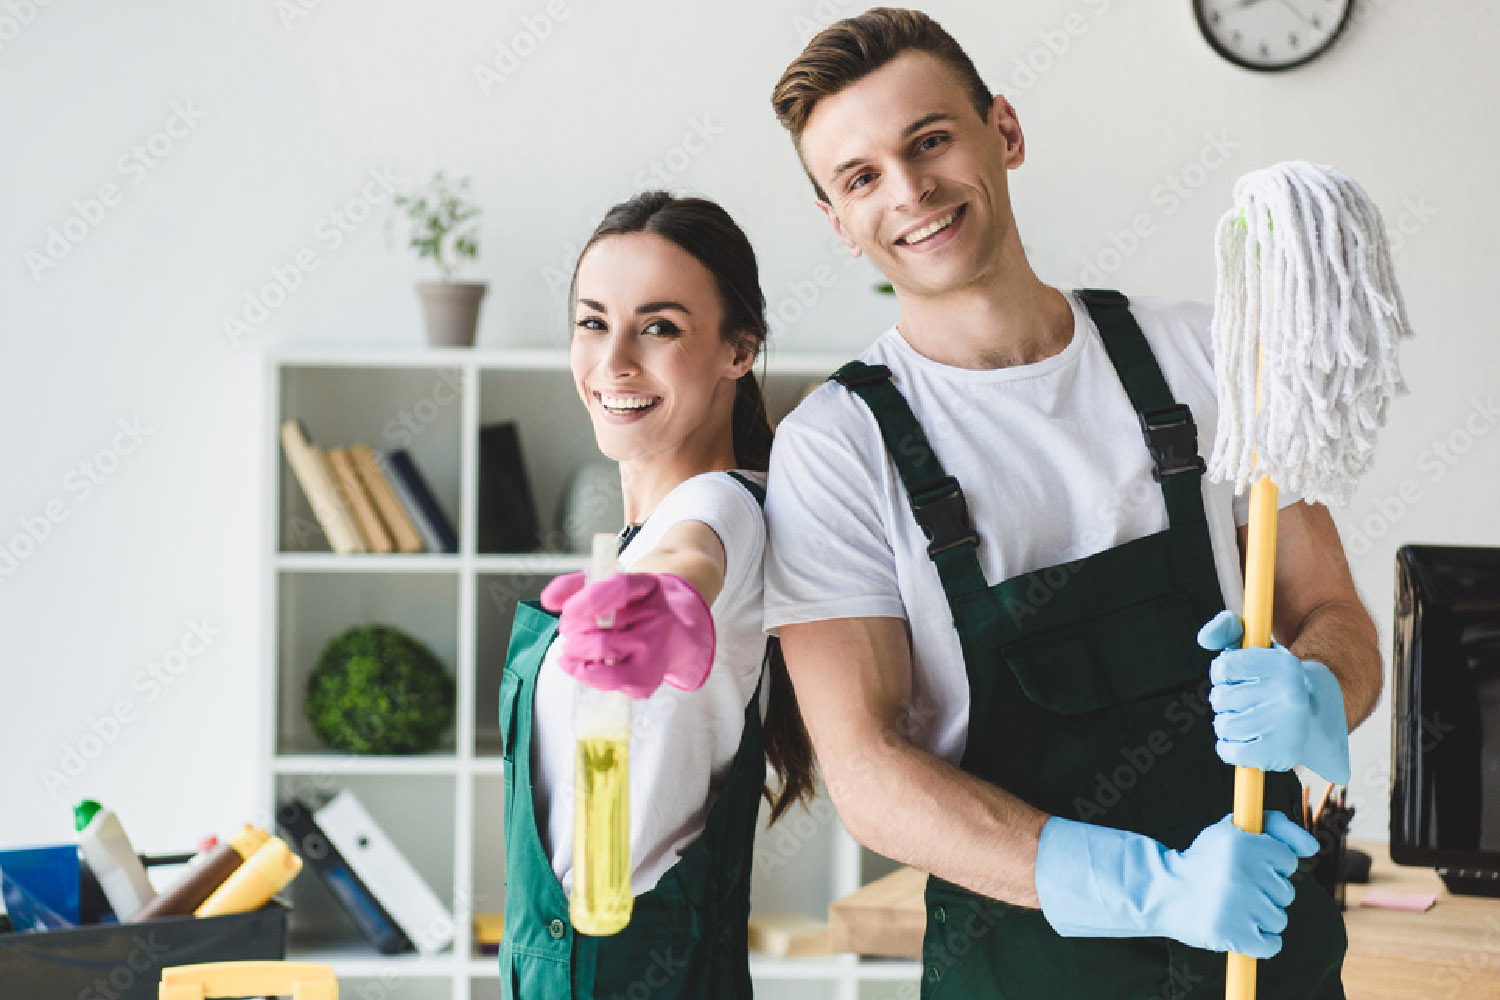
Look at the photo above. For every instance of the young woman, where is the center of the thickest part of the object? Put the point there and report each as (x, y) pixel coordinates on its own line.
(668, 319)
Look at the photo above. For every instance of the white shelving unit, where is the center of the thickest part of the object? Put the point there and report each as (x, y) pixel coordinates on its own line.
(445, 809)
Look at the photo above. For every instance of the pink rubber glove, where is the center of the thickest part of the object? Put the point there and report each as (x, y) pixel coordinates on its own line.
(659, 630)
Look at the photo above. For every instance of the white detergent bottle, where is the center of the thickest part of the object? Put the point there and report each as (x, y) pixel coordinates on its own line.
(105, 847)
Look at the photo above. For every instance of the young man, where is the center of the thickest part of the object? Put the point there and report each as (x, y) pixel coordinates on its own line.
(991, 548)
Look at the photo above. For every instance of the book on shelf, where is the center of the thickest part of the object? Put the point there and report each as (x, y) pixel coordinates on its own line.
(507, 512)
(309, 840)
(376, 538)
(415, 495)
(310, 466)
(390, 877)
(403, 533)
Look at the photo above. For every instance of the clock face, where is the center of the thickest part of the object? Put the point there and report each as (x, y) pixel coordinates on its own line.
(1271, 34)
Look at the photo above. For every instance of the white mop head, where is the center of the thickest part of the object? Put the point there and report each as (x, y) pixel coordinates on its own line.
(1304, 274)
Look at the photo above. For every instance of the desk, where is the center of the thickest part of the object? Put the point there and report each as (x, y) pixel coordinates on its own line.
(1452, 950)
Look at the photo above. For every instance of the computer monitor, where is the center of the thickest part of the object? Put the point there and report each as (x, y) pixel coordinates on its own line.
(1445, 739)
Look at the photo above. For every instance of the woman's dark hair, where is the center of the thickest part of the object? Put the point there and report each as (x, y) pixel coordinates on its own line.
(703, 229)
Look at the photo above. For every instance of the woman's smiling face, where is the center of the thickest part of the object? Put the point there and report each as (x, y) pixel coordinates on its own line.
(648, 357)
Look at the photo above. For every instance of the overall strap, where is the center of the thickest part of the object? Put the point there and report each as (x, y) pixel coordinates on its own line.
(1171, 435)
(751, 486)
(937, 501)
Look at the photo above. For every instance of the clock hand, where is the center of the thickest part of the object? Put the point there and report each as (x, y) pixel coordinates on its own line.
(1293, 8)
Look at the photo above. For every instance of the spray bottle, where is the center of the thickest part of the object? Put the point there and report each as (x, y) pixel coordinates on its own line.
(602, 898)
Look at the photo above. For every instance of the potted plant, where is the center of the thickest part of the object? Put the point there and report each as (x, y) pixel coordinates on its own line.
(444, 226)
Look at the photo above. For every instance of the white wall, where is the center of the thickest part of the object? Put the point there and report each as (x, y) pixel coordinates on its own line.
(296, 111)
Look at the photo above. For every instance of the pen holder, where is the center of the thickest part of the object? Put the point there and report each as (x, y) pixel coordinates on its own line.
(1332, 831)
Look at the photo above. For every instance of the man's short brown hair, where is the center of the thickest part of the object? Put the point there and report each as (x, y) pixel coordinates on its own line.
(849, 50)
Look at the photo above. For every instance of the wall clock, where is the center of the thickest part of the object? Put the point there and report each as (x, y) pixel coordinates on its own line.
(1271, 35)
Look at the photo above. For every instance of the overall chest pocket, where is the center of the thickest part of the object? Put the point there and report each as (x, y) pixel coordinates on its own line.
(1124, 655)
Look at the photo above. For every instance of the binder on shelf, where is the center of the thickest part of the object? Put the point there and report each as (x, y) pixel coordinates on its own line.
(415, 495)
(373, 532)
(386, 872)
(507, 512)
(310, 466)
(403, 533)
(309, 840)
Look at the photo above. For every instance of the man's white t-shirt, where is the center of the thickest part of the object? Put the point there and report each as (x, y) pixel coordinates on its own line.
(682, 742)
(1051, 459)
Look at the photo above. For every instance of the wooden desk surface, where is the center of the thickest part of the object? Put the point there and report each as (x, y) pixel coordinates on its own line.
(1452, 950)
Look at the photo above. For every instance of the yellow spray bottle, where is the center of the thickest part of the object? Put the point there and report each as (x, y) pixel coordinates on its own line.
(601, 784)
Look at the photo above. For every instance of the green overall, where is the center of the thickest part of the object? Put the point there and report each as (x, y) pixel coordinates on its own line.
(1088, 699)
(687, 937)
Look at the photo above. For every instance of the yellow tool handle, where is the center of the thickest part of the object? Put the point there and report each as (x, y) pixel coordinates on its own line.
(1250, 783)
(303, 980)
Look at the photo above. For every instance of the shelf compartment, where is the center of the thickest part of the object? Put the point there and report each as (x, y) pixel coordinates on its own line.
(416, 812)
(315, 607)
(419, 409)
(495, 597)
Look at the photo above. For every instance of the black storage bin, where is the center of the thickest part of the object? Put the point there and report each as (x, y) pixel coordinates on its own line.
(124, 962)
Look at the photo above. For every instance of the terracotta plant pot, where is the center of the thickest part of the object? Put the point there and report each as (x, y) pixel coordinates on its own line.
(451, 309)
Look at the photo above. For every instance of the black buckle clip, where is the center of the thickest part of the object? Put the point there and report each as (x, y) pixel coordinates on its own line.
(944, 517)
(871, 375)
(1172, 438)
(1107, 297)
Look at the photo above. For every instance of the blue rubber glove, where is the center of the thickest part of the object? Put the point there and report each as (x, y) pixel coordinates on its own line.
(1272, 710)
(1227, 892)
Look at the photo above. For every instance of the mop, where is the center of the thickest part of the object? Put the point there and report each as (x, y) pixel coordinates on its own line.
(1307, 317)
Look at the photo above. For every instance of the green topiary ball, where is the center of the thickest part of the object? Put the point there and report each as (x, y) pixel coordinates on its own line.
(377, 690)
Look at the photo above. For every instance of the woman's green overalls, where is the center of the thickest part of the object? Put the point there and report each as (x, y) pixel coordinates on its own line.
(687, 937)
(1088, 699)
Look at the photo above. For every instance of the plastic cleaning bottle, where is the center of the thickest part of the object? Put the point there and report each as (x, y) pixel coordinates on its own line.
(103, 843)
(205, 873)
(265, 873)
(602, 899)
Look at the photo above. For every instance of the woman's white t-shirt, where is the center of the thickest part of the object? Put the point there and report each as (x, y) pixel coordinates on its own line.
(682, 742)
(1051, 459)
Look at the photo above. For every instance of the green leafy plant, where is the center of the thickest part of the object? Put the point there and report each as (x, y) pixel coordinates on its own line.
(377, 690)
(442, 223)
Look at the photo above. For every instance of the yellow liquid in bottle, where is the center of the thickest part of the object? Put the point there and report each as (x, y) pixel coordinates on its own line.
(601, 836)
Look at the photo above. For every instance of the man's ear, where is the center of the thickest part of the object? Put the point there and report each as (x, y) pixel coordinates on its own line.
(1005, 123)
(838, 226)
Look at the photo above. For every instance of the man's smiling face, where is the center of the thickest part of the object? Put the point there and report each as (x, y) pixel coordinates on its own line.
(914, 177)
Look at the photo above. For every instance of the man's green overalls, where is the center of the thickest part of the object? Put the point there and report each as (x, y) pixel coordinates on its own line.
(1088, 699)
(687, 937)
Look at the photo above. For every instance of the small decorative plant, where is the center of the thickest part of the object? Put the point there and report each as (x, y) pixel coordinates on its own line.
(443, 225)
(442, 222)
(377, 690)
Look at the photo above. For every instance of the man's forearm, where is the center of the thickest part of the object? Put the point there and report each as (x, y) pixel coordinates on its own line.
(1341, 636)
(942, 821)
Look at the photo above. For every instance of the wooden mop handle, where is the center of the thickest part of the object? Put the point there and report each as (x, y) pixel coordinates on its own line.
(1249, 782)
